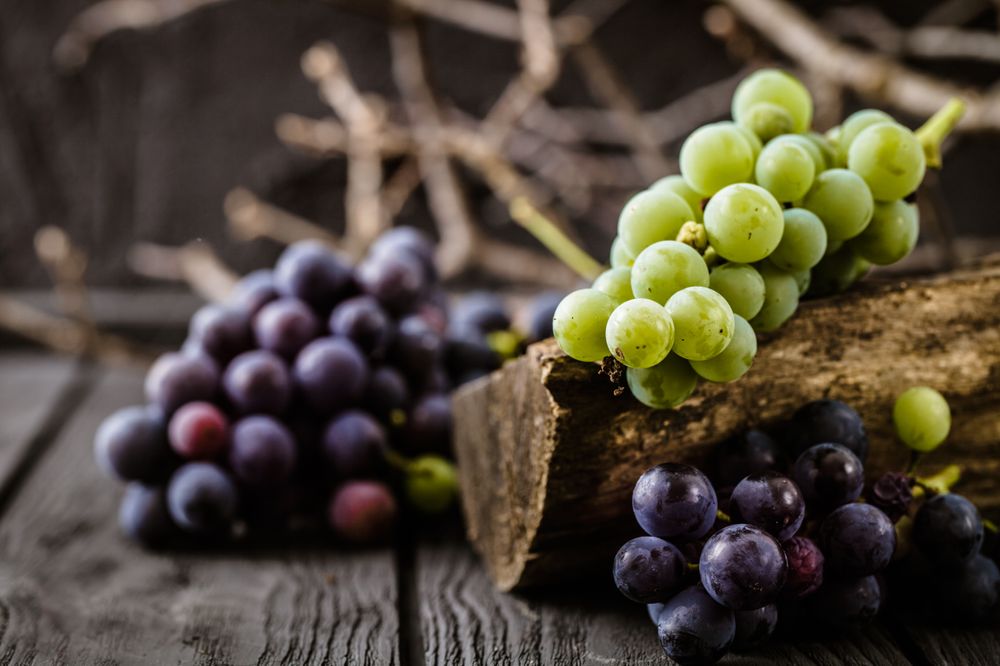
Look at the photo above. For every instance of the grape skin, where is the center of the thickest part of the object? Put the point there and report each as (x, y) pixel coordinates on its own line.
(767, 120)
(285, 326)
(694, 629)
(846, 601)
(750, 452)
(579, 324)
(258, 382)
(742, 567)
(805, 567)
(703, 323)
(770, 501)
(363, 512)
(948, 530)
(616, 283)
(742, 287)
(853, 125)
(735, 360)
(202, 498)
(826, 421)
(131, 445)
(922, 418)
(431, 483)
(262, 452)
(829, 475)
(775, 87)
(144, 516)
(857, 540)
(889, 158)
(714, 156)
(781, 299)
(651, 216)
(838, 271)
(891, 235)
(354, 445)
(665, 385)
(621, 256)
(674, 501)
(786, 170)
(803, 242)
(664, 268)
(842, 200)
(648, 569)
(744, 222)
(640, 333)
(753, 627)
(679, 186)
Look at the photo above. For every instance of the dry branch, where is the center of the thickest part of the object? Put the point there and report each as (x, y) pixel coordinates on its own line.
(251, 218)
(195, 263)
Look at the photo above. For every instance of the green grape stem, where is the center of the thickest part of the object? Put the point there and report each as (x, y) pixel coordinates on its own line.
(722, 516)
(937, 128)
(941, 482)
(397, 461)
(558, 243)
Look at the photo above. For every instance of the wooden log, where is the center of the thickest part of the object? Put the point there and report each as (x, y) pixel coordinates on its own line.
(548, 456)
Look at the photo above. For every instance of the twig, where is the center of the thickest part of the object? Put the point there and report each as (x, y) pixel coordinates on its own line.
(250, 219)
(554, 240)
(520, 265)
(66, 265)
(328, 137)
(194, 263)
(955, 12)
(400, 186)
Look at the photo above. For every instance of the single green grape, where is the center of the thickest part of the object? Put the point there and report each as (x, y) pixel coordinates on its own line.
(735, 359)
(616, 283)
(803, 279)
(431, 483)
(781, 298)
(620, 255)
(742, 287)
(825, 147)
(744, 223)
(714, 156)
(853, 125)
(802, 141)
(889, 158)
(832, 246)
(922, 418)
(774, 86)
(678, 186)
(579, 322)
(838, 271)
(640, 333)
(802, 244)
(841, 199)
(767, 120)
(665, 385)
(703, 323)
(664, 268)
(786, 170)
(651, 216)
(891, 235)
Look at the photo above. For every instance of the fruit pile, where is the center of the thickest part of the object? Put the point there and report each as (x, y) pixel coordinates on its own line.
(763, 212)
(809, 544)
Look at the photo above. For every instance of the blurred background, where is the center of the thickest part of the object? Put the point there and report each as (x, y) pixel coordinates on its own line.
(157, 144)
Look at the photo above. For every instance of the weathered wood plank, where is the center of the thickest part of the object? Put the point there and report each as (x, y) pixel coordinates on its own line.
(956, 646)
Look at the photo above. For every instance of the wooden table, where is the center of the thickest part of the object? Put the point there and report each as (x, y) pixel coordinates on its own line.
(74, 591)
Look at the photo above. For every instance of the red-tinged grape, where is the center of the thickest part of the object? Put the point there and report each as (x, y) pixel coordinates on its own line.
(177, 379)
(743, 567)
(363, 512)
(258, 382)
(694, 629)
(202, 498)
(221, 332)
(312, 273)
(805, 567)
(363, 321)
(398, 281)
(769, 501)
(131, 445)
(648, 569)
(948, 530)
(331, 374)
(285, 326)
(892, 493)
(354, 445)
(254, 290)
(675, 502)
(857, 540)
(199, 431)
(829, 475)
(753, 627)
(431, 483)
(144, 516)
(262, 452)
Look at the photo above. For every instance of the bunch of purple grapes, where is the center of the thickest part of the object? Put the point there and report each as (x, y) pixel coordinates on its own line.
(319, 390)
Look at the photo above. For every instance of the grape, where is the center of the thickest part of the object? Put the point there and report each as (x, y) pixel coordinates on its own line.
(330, 374)
(539, 315)
(744, 223)
(310, 272)
(971, 592)
(742, 287)
(786, 170)
(803, 279)
(199, 431)
(693, 629)
(857, 540)
(468, 351)
(482, 312)
(755, 143)
(648, 569)
(131, 445)
(769, 501)
(621, 257)
(767, 120)
(829, 475)
(892, 494)
(678, 186)
(735, 359)
(654, 611)
(397, 280)
(144, 516)
(665, 385)
(221, 332)
(781, 299)
(714, 156)
(842, 201)
(651, 216)
(753, 627)
(704, 323)
(824, 147)
(838, 271)
(363, 512)
(254, 290)
(805, 567)
(387, 392)
(853, 125)
(889, 158)
(202, 498)
(891, 235)
(674, 501)
(258, 382)
(579, 323)
(850, 600)
(822, 421)
(948, 530)
(363, 321)
(749, 452)
(640, 333)
(742, 567)
(803, 243)
(176, 379)
(429, 424)
(285, 326)
(262, 452)
(407, 240)
(616, 283)
(776, 87)
(354, 444)
(417, 348)
(664, 268)
(922, 418)
(431, 483)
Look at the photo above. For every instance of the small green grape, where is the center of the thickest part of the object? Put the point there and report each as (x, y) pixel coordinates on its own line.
(664, 268)
(678, 186)
(742, 287)
(832, 246)
(803, 279)
(842, 201)
(838, 271)
(824, 147)
(891, 235)
(714, 156)
(922, 418)
(431, 483)
(665, 385)
(620, 255)
(803, 243)
(735, 359)
(703, 323)
(579, 322)
(776, 87)
(889, 158)
(640, 333)
(853, 125)
(767, 120)
(744, 223)
(800, 140)
(786, 170)
(781, 299)
(651, 216)
(616, 283)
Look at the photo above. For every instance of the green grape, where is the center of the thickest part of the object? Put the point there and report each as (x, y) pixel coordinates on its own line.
(742, 287)
(620, 255)
(616, 283)
(837, 272)
(800, 140)
(832, 246)
(756, 145)
(579, 322)
(889, 158)
(781, 298)
(803, 279)
(824, 146)
(843, 201)
(922, 418)
(650, 216)
(714, 156)
(744, 223)
(891, 235)
(774, 87)
(853, 125)
(703, 323)
(677, 185)
(665, 385)
(786, 170)
(664, 268)
(802, 244)
(640, 333)
(767, 120)
(431, 483)
(735, 359)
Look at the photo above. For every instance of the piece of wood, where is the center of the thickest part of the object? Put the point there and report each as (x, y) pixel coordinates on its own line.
(956, 645)
(548, 456)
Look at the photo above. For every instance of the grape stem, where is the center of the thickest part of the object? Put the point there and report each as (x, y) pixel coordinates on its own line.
(397, 461)
(940, 483)
(722, 516)
(937, 128)
(558, 243)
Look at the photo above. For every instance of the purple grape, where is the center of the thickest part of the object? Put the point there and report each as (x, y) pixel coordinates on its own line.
(221, 332)
(387, 392)
(398, 281)
(331, 374)
(750, 452)
(285, 326)
(202, 498)
(654, 611)
(694, 629)
(829, 475)
(648, 569)
(363, 321)
(407, 240)
(674, 501)
(847, 600)
(355, 445)
(254, 291)
(262, 452)
(857, 540)
(363, 512)
(827, 422)
(428, 427)
(469, 351)
(131, 445)
(144, 516)
(753, 627)
(312, 273)
(948, 530)
(770, 501)
(743, 567)
(970, 592)
(177, 379)
(417, 348)
(539, 316)
(892, 493)
(805, 567)
(258, 382)
(480, 312)
(199, 431)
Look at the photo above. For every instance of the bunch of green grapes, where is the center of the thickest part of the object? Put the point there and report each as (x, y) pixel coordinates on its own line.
(763, 212)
